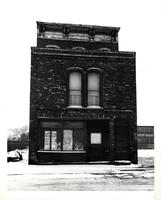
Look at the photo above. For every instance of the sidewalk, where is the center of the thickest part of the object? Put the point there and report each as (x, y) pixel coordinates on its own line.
(82, 177)
(143, 169)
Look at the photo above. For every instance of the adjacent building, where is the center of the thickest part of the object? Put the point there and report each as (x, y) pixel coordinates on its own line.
(145, 137)
(82, 97)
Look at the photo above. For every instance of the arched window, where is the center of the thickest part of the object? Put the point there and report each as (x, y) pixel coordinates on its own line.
(93, 89)
(79, 48)
(75, 85)
(52, 46)
(104, 49)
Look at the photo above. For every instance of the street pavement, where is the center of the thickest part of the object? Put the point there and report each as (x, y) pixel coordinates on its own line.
(81, 177)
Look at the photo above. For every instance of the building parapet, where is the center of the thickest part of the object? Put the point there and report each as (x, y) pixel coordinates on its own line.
(91, 33)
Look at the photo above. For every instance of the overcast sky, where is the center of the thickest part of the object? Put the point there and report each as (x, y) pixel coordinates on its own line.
(139, 21)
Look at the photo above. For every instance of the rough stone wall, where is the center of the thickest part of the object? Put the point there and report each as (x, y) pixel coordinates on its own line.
(49, 80)
(49, 92)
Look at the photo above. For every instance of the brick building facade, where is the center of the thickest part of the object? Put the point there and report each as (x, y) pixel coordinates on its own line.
(82, 97)
(145, 137)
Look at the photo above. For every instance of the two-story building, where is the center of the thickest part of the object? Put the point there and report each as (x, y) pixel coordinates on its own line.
(83, 96)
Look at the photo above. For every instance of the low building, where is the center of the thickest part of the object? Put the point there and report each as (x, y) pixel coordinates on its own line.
(83, 96)
(145, 135)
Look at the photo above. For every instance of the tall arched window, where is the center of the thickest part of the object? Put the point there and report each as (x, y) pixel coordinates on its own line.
(75, 85)
(93, 89)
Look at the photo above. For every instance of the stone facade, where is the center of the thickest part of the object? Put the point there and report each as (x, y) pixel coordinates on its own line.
(61, 47)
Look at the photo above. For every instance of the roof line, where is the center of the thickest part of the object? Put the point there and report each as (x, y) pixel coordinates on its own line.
(80, 25)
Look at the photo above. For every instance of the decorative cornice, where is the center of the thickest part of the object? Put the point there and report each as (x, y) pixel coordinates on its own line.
(81, 27)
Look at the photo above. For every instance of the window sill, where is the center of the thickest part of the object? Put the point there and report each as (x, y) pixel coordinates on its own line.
(85, 108)
(74, 107)
(94, 107)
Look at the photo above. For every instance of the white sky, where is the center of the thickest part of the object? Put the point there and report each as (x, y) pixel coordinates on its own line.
(140, 31)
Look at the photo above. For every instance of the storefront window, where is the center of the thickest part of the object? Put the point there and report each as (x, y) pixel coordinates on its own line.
(67, 140)
(70, 136)
(53, 140)
(50, 140)
(47, 140)
(79, 139)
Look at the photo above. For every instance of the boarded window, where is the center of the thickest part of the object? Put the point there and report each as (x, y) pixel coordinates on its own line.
(67, 140)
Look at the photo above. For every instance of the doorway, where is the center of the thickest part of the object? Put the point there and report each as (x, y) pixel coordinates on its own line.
(97, 133)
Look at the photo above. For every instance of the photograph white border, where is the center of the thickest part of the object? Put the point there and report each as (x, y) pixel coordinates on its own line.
(137, 19)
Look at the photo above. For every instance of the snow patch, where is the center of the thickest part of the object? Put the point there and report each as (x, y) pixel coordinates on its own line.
(146, 153)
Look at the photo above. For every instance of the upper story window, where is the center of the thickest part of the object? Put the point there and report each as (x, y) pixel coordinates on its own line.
(93, 89)
(75, 85)
(84, 88)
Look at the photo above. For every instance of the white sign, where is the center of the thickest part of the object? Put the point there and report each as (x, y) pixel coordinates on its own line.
(96, 138)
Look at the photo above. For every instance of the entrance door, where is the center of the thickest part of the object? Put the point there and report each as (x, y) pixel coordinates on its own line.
(122, 139)
(95, 142)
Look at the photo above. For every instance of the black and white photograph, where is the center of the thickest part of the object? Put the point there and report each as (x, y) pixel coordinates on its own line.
(80, 100)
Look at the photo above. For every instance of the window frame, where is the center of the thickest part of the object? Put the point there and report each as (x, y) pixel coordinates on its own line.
(60, 137)
(100, 73)
(84, 88)
(50, 130)
(69, 71)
